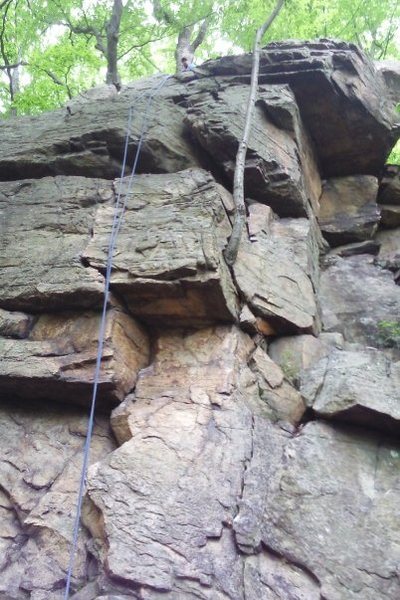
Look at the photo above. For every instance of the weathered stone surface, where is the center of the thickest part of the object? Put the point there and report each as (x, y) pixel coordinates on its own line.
(329, 520)
(390, 215)
(355, 295)
(168, 495)
(45, 226)
(276, 273)
(389, 189)
(57, 361)
(168, 264)
(295, 353)
(348, 209)
(343, 100)
(389, 253)
(283, 401)
(88, 137)
(359, 387)
(15, 324)
(41, 457)
(280, 165)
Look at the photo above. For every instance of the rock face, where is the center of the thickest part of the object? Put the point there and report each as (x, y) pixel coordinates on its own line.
(279, 150)
(339, 93)
(358, 387)
(56, 361)
(252, 451)
(173, 271)
(349, 212)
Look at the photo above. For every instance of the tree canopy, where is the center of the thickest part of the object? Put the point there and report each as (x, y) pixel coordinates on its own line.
(50, 50)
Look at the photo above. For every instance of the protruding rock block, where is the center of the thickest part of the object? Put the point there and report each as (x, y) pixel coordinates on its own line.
(46, 225)
(389, 252)
(88, 136)
(277, 274)
(57, 360)
(348, 209)
(168, 264)
(355, 296)
(280, 167)
(343, 100)
(360, 387)
(390, 215)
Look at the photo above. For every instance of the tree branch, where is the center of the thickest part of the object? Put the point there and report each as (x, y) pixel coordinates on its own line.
(199, 39)
(13, 66)
(232, 248)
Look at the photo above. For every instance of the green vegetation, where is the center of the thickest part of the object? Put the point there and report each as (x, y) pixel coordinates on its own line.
(389, 334)
(52, 49)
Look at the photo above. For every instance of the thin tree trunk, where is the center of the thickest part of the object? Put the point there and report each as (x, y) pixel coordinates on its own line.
(112, 29)
(232, 248)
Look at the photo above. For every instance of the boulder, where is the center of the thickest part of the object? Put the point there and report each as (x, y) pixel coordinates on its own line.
(280, 168)
(330, 496)
(57, 360)
(390, 70)
(277, 273)
(41, 458)
(355, 296)
(168, 265)
(46, 224)
(359, 387)
(348, 209)
(389, 189)
(343, 100)
(88, 136)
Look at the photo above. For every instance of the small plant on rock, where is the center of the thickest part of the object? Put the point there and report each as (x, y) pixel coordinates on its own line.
(389, 334)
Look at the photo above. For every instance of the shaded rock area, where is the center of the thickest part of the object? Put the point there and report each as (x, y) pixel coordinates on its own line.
(246, 434)
(348, 209)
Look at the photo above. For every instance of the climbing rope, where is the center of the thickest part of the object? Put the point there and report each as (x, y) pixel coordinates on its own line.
(119, 210)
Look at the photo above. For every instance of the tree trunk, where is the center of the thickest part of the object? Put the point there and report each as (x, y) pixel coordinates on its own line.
(232, 248)
(112, 29)
(186, 47)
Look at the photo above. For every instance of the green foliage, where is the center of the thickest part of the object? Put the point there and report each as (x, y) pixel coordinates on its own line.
(389, 334)
(60, 43)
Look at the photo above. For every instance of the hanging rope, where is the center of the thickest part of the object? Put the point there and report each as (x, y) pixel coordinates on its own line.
(119, 210)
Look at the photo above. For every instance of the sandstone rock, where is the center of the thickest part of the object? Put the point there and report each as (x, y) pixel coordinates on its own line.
(283, 401)
(328, 520)
(88, 137)
(296, 353)
(168, 265)
(280, 166)
(355, 296)
(389, 252)
(343, 100)
(254, 325)
(41, 456)
(389, 189)
(15, 324)
(390, 215)
(276, 274)
(168, 495)
(356, 387)
(46, 225)
(348, 209)
(57, 361)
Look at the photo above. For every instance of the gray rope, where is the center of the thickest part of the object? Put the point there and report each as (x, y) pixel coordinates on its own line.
(119, 210)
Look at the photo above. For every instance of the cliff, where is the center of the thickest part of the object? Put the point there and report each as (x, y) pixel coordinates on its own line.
(246, 433)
